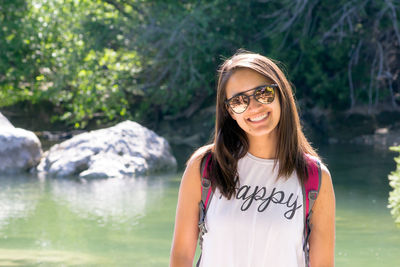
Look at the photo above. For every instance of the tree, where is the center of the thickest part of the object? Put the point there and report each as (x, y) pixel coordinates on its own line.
(70, 53)
(339, 53)
(105, 60)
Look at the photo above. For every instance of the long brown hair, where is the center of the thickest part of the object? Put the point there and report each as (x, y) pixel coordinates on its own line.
(231, 142)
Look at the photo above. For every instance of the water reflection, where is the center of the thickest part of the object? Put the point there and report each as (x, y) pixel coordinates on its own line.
(117, 222)
(28, 257)
(115, 200)
(18, 197)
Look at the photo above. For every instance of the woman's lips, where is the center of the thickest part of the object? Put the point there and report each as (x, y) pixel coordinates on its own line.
(259, 118)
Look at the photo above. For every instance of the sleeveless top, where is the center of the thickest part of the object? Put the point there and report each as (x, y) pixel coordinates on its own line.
(262, 225)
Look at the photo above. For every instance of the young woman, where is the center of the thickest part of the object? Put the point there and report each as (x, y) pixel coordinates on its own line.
(258, 165)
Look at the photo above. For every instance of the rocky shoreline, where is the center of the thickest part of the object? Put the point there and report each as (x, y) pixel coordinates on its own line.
(20, 150)
(380, 130)
(378, 140)
(381, 139)
(125, 149)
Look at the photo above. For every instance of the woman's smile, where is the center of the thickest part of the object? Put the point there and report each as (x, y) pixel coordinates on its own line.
(259, 118)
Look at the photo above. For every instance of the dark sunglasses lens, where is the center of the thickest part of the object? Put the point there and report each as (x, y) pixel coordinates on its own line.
(239, 103)
(265, 94)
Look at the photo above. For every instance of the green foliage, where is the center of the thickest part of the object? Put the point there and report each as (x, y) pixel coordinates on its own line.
(394, 195)
(329, 48)
(70, 53)
(15, 52)
(103, 60)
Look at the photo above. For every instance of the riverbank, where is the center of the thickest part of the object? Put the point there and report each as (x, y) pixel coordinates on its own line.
(380, 129)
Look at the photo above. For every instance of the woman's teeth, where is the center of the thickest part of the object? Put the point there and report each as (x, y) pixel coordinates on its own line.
(255, 119)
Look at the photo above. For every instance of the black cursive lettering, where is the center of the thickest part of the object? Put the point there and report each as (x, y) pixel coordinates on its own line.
(260, 194)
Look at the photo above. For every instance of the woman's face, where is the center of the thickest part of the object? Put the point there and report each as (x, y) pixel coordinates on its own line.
(258, 119)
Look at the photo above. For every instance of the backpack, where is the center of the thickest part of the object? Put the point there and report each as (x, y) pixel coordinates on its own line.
(310, 189)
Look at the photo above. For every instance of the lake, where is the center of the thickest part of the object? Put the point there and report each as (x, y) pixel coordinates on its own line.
(129, 222)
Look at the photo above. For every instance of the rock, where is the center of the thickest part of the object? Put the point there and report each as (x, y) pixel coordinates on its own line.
(381, 139)
(57, 136)
(4, 123)
(388, 118)
(346, 126)
(192, 140)
(382, 131)
(20, 150)
(122, 150)
(333, 140)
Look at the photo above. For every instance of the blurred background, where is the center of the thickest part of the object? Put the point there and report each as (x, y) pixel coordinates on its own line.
(72, 66)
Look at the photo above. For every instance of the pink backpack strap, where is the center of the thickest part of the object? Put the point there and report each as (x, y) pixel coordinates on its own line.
(206, 188)
(206, 196)
(310, 194)
(313, 183)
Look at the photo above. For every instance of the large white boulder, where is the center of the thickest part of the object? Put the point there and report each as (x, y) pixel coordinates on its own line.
(125, 149)
(4, 123)
(20, 150)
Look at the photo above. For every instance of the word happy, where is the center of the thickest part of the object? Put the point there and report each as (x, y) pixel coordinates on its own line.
(259, 195)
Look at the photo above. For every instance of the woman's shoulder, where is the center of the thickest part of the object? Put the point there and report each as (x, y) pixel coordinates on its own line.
(325, 169)
(191, 177)
(199, 154)
(194, 162)
(325, 174)
(318, 160)
(326, 178)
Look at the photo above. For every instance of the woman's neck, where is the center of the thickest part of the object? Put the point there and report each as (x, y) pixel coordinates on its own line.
(263, 146)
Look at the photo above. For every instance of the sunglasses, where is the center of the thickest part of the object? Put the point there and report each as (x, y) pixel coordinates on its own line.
(265, 94)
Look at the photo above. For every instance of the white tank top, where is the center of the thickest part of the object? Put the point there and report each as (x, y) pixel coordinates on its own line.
(262, 225)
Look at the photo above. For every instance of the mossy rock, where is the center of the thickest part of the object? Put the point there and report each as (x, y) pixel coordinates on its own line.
(388, 118)
(351, 125)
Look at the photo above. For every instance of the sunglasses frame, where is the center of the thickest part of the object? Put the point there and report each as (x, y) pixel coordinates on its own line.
(252, 95)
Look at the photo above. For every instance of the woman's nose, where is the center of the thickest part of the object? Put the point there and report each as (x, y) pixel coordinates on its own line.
(254, 104)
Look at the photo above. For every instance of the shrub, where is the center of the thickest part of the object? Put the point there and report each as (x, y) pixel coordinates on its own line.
(394, 195)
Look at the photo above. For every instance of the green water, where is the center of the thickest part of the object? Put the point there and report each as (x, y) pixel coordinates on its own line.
(129, 222)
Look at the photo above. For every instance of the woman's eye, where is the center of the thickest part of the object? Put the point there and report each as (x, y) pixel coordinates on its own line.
(237, 100)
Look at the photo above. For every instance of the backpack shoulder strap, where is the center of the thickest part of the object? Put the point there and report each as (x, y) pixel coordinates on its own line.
(206, 188)
(310, 193)
(312, 184)
(206, 196)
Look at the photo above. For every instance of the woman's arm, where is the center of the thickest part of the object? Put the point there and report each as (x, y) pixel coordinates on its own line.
(187, 215)
(322, 238)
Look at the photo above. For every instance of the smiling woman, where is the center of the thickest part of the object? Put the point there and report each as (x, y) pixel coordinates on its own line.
(260, 118)
(261, 168)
